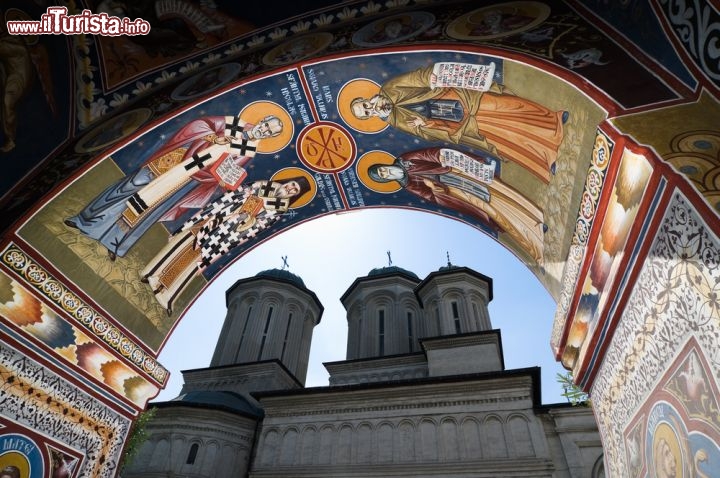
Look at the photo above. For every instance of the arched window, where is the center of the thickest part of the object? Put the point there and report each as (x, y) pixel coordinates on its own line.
(437, 319)
(192, 454)
(411, 334)
(381, 332)
(242, 335)
(599, 468)
(287, 333)
(456, 316)
(265, 332)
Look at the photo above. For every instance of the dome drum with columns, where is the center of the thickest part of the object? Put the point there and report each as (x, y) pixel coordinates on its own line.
(580, 135)
(422, 392)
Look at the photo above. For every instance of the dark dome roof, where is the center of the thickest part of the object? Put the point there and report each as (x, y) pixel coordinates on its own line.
(282, 274)
(230, 401)
(378, 271)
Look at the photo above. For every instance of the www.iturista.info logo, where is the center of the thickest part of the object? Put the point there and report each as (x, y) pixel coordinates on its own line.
(56, 21)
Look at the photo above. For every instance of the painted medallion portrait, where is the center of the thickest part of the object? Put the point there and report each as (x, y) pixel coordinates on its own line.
(393, 29)
(498, 21)
(114, 130)
(297, 49)
(206, 81)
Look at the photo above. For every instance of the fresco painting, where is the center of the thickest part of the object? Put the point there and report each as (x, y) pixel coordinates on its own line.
(177, 29)
(677, 432)
(557, 34)
(631, 182)
(32, 75)
(162, 199)
(71, 346)
(393, 29)
(298, 49)
(206, 81)
(51, 414)
(500, 20)
(122, 117)
(685, 137)
(26, 454)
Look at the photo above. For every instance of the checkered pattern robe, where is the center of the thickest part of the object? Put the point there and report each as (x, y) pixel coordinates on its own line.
(224, 224)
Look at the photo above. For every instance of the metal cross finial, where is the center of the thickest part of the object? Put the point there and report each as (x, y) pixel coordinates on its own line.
(285, 264)
(389, 258)
(448, 258)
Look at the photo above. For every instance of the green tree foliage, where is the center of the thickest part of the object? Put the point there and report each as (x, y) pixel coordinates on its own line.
(137, 437)
(572, 392)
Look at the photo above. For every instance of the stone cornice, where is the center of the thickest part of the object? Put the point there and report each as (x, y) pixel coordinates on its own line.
(178, 427)
(272, 412)
(241, 372)
(464, 340)
(393, 361)
(476, 389)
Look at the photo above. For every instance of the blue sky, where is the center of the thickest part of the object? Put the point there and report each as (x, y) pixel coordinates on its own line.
(329, 253)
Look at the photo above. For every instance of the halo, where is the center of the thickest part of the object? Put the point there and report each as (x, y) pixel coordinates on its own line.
(375, 157)
(316, 42)
(113, 130)
(228, 71)
(361, 87)
(664, 431)
(420, 20)
(256, 111)
(286, 173)
(461, 28)
(16, 459)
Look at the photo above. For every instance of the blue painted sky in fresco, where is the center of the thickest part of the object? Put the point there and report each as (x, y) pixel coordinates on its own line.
(330, 252)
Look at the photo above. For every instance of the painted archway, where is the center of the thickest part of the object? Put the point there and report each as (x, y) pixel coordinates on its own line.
(585, 144)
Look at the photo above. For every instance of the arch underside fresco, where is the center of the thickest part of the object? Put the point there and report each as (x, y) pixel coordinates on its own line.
(584, 143)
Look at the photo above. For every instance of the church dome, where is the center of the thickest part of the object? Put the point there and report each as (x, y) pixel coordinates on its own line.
(381, 271)
(283, 275)
(448, 267)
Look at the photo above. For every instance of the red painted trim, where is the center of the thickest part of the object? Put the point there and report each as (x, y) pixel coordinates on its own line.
(633, 237)
(672, 81)
(610, 177)
(56, 367)
(72, 287)
(675, 181)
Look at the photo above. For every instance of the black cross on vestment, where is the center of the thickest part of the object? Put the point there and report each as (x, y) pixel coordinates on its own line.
(244, 147)
(266, 189)
(234, 127)
(198, 161)
(275, 202)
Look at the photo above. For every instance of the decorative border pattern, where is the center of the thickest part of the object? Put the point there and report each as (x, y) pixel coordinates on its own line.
(674, 299)
(70, 345)
(697, 26)
(32, 273)
(602, 152)
(92, 104)
(44, 402)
